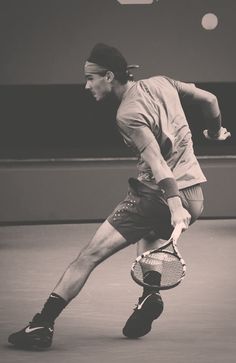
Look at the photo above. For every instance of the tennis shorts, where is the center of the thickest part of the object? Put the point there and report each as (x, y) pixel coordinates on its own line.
(145, 211)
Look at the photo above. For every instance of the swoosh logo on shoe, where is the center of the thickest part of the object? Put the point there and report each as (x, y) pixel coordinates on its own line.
(141, 304)
(30, 330)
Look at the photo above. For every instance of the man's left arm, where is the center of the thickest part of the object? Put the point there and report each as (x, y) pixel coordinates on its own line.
(209, 105)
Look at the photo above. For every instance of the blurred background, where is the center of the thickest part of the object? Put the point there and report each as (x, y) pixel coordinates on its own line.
(46, 115)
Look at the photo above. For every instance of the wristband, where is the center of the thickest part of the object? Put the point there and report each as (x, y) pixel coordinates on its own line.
(169, 187)
(214, 126)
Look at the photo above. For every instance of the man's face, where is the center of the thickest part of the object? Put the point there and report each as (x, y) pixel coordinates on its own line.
(98, 85)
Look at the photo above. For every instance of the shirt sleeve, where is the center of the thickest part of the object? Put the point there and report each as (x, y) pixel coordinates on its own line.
(185, 90)
(207, 101)
(135, 131)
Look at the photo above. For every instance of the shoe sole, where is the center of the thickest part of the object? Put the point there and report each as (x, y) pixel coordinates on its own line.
(30, 344)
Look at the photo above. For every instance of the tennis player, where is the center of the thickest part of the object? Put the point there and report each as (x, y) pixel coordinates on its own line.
(167, 190)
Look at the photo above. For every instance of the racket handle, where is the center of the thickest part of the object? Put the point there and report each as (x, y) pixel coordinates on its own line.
(177, 232)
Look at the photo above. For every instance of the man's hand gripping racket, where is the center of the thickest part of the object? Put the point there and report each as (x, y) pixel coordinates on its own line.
(161, 268)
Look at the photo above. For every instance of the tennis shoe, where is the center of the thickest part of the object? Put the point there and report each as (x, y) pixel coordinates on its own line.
(148, 309)
(37, 334)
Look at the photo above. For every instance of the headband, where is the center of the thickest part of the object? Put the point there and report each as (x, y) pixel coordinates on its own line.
(93, 68)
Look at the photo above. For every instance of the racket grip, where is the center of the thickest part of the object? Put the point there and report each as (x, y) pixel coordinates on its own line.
(177, 231)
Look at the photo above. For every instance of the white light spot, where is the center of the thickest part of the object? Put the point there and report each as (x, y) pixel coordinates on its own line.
(209, 21)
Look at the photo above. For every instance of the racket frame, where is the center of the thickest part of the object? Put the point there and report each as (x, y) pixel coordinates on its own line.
(175, 253)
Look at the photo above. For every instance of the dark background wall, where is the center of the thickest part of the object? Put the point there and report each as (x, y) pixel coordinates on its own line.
(64, 121)
(44, 110)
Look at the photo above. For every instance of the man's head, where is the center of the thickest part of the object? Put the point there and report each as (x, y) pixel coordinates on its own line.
(105, 69)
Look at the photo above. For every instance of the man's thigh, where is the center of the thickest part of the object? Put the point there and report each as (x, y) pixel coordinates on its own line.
(128, 218)
(106, 241)
(139, 213)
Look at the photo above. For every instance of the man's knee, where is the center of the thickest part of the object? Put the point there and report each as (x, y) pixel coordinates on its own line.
(95, 252)
(91, 255)
(105, 243)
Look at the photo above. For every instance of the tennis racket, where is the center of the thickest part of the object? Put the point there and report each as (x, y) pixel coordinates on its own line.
(161, 268)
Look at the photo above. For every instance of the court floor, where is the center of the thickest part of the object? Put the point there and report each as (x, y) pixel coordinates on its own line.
(198, 324)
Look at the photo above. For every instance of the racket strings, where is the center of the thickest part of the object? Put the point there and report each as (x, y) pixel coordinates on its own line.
(169, 268)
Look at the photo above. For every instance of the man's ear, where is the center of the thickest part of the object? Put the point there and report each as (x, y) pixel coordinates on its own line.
(109, 76)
